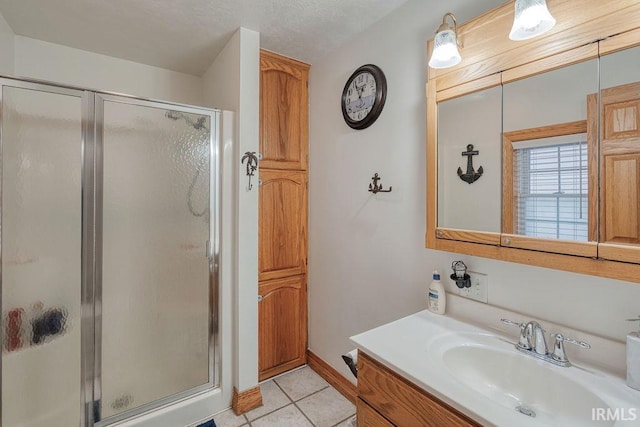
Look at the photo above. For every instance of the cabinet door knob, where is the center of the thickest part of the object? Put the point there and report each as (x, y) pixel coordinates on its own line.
(259, 298)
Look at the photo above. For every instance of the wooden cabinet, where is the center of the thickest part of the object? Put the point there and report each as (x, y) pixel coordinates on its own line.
(282, 233)
(620, 164)
(369, 417)
(282, 314)
(284, 112)
(282, 215)
(396, 401)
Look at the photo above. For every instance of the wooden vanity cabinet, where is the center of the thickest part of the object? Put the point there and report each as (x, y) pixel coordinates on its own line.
(387, 399)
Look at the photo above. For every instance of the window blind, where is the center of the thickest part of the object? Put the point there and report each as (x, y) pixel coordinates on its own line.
(552, 190)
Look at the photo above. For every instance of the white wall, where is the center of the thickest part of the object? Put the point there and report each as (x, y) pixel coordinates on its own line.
(6, 48)
(232, 82)
(367, 261)
(61, 64)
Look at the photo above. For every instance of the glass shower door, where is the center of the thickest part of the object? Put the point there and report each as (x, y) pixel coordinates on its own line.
(42, 194)
(154, 294)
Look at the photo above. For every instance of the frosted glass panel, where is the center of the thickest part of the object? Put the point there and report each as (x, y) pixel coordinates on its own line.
(155, 270)
(41, 258)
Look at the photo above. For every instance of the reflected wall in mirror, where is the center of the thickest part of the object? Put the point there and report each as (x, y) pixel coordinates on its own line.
(550, 148)
(619, 147)
(471, 119)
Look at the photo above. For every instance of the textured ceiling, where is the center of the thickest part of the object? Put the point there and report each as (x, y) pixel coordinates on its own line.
(186, 35)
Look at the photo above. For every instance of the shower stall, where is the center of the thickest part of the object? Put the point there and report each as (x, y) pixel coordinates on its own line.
(109, 254)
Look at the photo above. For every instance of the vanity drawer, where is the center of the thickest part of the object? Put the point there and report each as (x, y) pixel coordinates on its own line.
(369, 417)
(400, 401)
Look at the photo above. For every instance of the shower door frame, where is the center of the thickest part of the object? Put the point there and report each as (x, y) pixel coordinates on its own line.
(212, 256)
(91, 139)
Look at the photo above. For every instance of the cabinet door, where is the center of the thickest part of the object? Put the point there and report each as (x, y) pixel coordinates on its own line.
(620, 148)
(282, 319)
(282, 235)
(284, 112)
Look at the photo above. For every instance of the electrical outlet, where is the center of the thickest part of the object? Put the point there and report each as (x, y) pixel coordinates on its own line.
(479, 289)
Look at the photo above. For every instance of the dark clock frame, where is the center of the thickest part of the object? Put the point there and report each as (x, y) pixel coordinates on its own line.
(378, 103)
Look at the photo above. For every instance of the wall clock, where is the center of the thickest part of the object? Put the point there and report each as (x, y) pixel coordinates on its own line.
(363, 96)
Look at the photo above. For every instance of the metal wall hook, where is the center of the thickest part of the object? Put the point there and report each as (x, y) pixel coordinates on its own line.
(252, 165)
(375, 188)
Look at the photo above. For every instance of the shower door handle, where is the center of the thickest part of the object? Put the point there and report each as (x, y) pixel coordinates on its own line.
(208, 250)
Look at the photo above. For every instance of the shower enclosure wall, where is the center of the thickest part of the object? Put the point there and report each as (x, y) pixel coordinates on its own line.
(108, 238)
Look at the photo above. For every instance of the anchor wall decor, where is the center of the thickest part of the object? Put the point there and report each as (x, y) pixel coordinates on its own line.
(375, 188)
(470, 176)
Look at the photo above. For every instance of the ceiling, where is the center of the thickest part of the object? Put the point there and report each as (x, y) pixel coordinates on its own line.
(186, 35)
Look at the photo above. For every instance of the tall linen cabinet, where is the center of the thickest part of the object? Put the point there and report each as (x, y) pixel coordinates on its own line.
(282, 223)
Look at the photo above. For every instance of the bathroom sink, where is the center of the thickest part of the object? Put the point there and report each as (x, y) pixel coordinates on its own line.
(481, 374)
(534, 388)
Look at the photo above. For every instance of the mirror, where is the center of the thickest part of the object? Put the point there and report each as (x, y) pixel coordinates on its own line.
(557, 123)
(474, 119)
(549, 181)
(620, 147)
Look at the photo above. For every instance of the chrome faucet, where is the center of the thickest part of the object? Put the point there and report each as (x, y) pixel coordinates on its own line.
(532, 342)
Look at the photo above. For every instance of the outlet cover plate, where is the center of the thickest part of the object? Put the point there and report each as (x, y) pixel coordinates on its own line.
(479, 290)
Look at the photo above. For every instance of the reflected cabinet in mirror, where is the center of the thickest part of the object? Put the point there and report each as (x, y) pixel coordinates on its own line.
(619, 158)
(533, 148)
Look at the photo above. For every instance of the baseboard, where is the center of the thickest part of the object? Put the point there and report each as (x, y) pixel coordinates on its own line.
(246, 401)
(285, 367)
(332, 376)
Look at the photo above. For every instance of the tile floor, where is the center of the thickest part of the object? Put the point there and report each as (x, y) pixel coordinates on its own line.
(300, 398)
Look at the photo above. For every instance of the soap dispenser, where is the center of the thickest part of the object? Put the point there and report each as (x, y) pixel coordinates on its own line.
(437, 295)
(633, 358)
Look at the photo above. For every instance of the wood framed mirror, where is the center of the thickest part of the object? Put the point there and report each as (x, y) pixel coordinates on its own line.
(586, 243)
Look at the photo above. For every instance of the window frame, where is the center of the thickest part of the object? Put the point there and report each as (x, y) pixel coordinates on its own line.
(552, 173)
(509, 196)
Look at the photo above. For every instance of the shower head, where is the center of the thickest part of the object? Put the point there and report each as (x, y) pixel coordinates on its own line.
(173, 115)
(199, 124)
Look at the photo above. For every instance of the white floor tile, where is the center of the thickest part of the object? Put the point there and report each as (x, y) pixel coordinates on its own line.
(351, 422)
(301, 383)
(327, 407)
(289, 416)
(228, 418)
(272, 398)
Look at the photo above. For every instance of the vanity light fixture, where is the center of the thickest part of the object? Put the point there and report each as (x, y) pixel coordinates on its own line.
(445, 45)
(532, 18)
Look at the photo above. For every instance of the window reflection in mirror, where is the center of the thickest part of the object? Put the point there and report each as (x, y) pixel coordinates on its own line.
(620, 146)
(546, 182)
(550, 176)
(473, 119)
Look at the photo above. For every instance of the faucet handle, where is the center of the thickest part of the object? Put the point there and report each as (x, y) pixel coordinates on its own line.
(523, 342)
(580, 344)
(559, 355)
(512, 323)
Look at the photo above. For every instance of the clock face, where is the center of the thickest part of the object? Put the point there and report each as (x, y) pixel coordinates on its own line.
(363, 96)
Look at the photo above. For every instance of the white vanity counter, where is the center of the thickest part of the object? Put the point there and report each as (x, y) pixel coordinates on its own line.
(481, 374)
